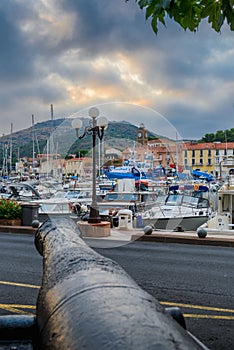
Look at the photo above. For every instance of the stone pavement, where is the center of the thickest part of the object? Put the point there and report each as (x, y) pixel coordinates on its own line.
(189, 237)
(186, 237)
(125, 236)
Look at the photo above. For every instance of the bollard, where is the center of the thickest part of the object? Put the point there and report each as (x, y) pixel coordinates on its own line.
(201, 232)
(148, 229)
(29, 213)
(87, 301)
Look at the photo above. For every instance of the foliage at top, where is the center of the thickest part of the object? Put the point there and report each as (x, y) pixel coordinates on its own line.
(220, 136)
(189, 13)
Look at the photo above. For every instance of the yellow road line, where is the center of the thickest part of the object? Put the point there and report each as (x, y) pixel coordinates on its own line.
(216, 317)
(20, 284)
(14, 308)
(190, 306)
(21, 306)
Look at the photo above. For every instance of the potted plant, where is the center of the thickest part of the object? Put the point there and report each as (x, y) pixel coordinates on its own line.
(10, 212)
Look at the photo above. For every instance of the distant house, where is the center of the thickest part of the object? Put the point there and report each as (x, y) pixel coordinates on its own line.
(112, 153)
(82, 167)
(213, 157)
(159, 152)
(46, 156)
(52, 167)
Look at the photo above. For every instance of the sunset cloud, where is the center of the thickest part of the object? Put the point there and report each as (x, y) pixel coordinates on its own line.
(75, 54)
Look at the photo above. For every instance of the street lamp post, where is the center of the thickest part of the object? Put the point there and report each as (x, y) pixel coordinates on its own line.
(96, 129)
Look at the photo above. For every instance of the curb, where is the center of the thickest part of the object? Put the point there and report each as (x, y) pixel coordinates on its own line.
(166, 238)
(18, 229)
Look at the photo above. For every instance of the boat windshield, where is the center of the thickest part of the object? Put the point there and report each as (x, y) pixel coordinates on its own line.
(190, 200)
(59, 194)
(180, 199)
(120, 197)
(174, 199)
(203, 203)
(72, 194)
(161, 199)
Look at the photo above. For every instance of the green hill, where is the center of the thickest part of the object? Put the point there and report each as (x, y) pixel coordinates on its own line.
(57, 136)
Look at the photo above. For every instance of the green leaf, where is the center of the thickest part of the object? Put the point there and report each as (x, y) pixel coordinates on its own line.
(189, 13)
(154, 24)
(149, 11)
(143, 3)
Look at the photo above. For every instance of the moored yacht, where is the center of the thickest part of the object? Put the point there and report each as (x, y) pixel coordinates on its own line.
(177, 212)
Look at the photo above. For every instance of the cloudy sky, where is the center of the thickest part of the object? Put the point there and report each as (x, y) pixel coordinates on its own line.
(75, 54)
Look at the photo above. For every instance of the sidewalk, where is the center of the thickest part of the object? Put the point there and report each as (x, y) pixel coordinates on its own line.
(186, 237)
(189, 237)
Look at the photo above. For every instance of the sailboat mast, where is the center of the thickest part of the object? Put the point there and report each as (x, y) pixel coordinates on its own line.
(10, 165)
(177, 154)
(5, 154)
(51, 140)
(52, 112)
(33, 142)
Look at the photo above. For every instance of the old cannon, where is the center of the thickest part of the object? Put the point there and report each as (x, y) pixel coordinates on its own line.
(87, 301)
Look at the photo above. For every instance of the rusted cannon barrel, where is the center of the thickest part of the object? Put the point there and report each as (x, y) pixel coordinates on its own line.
(87, 301)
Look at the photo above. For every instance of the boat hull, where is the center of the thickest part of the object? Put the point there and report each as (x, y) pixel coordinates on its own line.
(115, 175)
(190, 223)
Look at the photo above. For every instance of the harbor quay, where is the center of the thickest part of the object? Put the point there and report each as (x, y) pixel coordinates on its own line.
(157, 236)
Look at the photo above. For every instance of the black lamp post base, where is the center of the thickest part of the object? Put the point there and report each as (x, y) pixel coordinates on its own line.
(94, 217)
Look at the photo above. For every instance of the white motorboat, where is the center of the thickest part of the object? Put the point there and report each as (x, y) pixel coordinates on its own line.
(177, 212)
(223, 220)
(115, 201)
(63, 203)
(124, 196)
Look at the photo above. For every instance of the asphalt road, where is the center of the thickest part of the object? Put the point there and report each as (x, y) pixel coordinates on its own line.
(20, 274)
(197, 278)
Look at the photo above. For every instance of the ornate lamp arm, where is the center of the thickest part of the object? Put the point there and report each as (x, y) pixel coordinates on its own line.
(87, 130)
(100, 132)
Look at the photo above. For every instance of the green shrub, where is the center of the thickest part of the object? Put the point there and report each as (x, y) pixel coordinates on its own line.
(10, 209)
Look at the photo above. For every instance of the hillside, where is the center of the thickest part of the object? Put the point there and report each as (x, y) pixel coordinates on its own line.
(62, 139)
